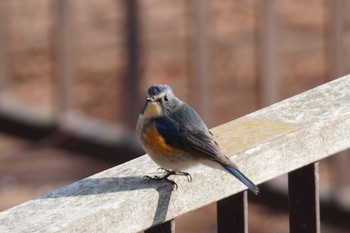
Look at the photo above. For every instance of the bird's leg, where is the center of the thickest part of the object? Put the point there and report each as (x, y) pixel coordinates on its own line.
(163, 178)
(166, 175)
(179, 173)
(165, 171)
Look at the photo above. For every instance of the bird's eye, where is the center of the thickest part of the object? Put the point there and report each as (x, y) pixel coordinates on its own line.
(166, 98)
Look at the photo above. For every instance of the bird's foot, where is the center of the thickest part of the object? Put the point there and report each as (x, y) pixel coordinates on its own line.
(179, 173)
(162, 178)
(166, 175)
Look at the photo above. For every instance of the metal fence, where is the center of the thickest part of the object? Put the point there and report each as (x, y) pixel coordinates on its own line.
(271, 142)
(108, 136)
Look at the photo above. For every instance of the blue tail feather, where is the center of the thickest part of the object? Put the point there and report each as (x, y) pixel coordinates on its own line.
(239, 175)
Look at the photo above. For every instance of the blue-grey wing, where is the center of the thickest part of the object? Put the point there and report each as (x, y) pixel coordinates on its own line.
(186, 130)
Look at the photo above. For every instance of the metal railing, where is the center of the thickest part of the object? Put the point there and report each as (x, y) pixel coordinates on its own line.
(288, 137)
(109, 138)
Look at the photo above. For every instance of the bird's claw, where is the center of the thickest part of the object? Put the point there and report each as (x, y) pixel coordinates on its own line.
(162, 178)
(189, 177)
(166, 175)
(163, 170)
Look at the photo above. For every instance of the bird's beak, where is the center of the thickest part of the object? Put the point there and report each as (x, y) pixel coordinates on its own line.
(150, 99)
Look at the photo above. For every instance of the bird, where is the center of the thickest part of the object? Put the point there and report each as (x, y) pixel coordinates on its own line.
(176, 138)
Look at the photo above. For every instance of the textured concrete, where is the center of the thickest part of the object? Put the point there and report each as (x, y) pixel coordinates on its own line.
(267, 143)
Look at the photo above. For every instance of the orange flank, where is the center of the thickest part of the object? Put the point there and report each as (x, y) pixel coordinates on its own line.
(156, 142)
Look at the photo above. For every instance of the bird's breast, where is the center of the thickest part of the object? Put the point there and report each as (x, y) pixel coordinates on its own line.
(155, 145)
(155, 142)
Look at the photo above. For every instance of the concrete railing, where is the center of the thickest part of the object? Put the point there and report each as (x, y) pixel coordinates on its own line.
(292, 134)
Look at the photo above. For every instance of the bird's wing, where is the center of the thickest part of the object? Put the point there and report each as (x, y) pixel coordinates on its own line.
(186, 130)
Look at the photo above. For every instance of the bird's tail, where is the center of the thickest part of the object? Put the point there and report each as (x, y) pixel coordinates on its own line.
(239, 175)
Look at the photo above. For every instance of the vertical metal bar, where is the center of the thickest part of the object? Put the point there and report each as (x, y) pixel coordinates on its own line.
(133, 74)
(304, 203)
(167, 227)
(64, 35)
(3, 63)
(268, 83)
(199, 85)
(232, 214)
(337, 69)
(336, 30)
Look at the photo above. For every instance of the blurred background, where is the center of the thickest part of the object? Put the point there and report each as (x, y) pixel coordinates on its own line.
(73, 76)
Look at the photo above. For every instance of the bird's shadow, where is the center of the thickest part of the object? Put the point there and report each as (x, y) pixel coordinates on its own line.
(93, 186)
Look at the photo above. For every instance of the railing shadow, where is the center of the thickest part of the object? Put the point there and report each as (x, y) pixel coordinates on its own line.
(93, 186)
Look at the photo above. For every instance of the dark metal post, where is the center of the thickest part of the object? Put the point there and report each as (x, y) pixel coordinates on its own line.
(268, 83)
(304, 203)
(133, 73)
(3, 63)
(200, 56)
(167, 227)
(336, 38)
(336, 58)
(232, 214)
(64, 35)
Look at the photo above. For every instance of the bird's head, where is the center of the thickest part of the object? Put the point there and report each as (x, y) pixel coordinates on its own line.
(160, 101)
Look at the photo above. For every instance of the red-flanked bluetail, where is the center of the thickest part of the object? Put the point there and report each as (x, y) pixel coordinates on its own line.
(176, 138)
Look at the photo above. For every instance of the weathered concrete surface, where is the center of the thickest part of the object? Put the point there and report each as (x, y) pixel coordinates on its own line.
(267, 143)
